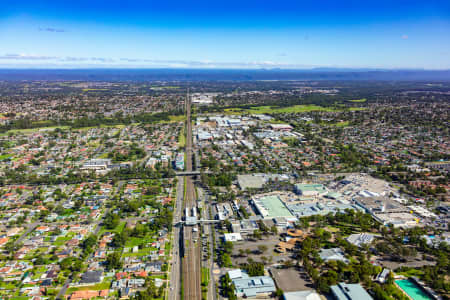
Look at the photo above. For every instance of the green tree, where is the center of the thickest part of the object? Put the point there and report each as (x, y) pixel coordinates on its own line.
(113, 261)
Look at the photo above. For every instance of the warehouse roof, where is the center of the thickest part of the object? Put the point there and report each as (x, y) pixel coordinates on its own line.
(271, 207)
(343, 291)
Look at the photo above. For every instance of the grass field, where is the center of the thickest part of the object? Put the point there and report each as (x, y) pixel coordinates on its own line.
(173, 119)
(118, 229)
(42, 127)
(103, 155)
(166, 87)
(93, 90)
(118, 126)
(332, 229)
(205, 281)
(358, 100)
(288, 109)
(341, 124)
(96, 287)
(32, 130)
(63, 239)
(205, 276)
(141, 252)
(411, 272)
(182, 138)
(5, 156)
(177, 118)
(135, 241)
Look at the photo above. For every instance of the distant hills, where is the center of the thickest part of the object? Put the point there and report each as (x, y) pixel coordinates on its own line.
(221, 74)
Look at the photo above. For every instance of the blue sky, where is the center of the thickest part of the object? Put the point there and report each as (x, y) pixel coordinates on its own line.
(225, 34)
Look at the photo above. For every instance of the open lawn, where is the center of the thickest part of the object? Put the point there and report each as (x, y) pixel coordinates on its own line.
(5, 156)
(288, 109)
(93, 90)
(63, 239)
(118, 229)
(182, 138)
(96, 287)
(140, 252)
(103, 155)
(332, 229)
(358, 100)
(42, 127)
(341, 124)
(32, 130)
(174, 118)
(135, 241)
(118, 126)
(205, 276)
(166, 87)
(411, 272)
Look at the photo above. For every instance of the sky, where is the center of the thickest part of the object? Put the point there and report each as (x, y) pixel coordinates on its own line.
(296, 34)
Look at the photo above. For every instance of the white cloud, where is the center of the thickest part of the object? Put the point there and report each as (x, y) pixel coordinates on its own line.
(28, 59)
(51, 29)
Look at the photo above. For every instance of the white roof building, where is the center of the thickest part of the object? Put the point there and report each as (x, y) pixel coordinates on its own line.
(301, 295)
(232, 237)
(360, 239)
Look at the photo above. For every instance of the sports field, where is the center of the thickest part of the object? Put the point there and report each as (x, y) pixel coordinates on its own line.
(288, 109)
(359, 100)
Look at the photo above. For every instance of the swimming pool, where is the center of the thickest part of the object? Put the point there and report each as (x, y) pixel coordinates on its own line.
(413, 290)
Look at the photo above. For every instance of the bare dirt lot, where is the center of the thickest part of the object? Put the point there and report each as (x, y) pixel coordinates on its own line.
(412, 263)
(252, 245)
(292, 279)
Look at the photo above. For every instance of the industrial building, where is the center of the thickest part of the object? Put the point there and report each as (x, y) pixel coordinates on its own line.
(246, 286)
(344, 291)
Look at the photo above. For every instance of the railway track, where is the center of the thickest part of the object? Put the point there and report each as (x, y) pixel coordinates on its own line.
(192, 252)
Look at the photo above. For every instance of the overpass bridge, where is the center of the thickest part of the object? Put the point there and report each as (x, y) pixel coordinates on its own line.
(190, 173)
(187, 173)
(201, 221)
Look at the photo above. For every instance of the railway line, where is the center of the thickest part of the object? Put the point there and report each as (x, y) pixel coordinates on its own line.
(191, 267)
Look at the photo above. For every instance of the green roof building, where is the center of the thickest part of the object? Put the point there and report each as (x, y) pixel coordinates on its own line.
(307, 189)
(271, 207)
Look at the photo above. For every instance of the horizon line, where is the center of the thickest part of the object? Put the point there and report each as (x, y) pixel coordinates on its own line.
(324, 69)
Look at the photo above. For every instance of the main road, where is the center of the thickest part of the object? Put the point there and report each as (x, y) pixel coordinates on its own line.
(175, 266)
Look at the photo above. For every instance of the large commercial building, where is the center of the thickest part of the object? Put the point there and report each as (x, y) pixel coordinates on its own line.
(271, 206)
(318, 208)
(179, 161)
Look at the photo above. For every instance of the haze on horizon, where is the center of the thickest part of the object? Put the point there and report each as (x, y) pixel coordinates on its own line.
(228, 34)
